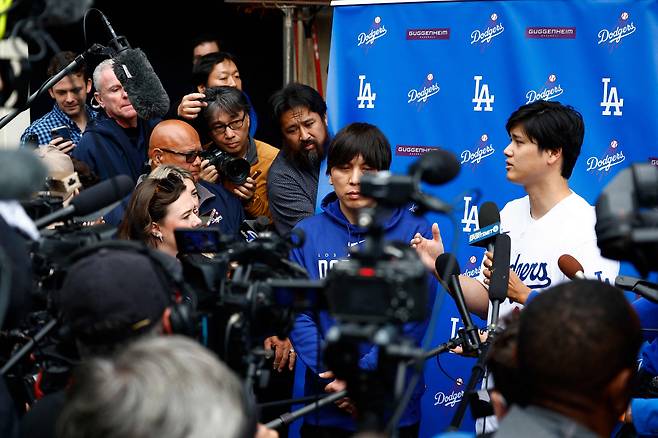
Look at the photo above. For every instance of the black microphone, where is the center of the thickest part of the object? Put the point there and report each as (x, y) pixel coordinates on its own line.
(499, 281)
(133, 69)
(21, 174)
(447, 267)
(436, 167)
(646, 289)
(91, 200)
(144, 89)
(489, 227)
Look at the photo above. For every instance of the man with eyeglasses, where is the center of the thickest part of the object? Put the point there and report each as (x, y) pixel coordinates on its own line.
(176, 143)
(228, 121)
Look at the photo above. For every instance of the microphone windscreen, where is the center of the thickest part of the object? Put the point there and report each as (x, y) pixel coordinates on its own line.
(436, 167)
(21, 174)
(142, 85)
(446, 265)
(569, 266)
(102, 194)
(488, 214)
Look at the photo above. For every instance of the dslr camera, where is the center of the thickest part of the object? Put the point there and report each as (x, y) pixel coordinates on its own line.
(234, 169)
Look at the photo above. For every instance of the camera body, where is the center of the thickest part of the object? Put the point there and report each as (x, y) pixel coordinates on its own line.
(234, 169)
(392, 290)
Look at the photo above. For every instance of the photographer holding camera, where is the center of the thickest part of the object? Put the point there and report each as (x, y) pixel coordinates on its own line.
(357, 149)
(227, 118)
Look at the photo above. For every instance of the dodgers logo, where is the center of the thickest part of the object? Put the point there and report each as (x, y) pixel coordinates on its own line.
(326, 261)
(482, 150)
(472, 267)
(532, 274)
(448, 400)
(486, 35)
(427, 90)
(612, 157)
(624, 28)
(611, 99)
(550, 90)
(377, 30)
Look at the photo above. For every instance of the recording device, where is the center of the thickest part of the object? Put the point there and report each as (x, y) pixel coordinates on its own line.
(435, 167)
(91, 200)
(392, 289)
(234, 169)
(627, 218)
(199, 240)
(61, 131)
(488, 227)
(571, 267)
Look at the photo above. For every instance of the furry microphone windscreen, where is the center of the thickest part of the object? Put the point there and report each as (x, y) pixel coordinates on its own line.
(144, 89)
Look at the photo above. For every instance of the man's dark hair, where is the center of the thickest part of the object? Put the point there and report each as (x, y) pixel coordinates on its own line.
(297, 95)
(227, 99)
(575, 338)
(205, 38)
(62, 59)
(360, 139)
(206, 64)
(552, 126)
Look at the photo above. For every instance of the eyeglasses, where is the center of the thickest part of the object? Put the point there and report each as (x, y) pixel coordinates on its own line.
(190, 157)
(235, 124)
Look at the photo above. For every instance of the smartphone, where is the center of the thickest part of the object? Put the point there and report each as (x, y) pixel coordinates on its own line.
(61, 131)
(199, 240)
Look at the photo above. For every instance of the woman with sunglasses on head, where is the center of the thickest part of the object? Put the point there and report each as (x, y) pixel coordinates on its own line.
(160, 205)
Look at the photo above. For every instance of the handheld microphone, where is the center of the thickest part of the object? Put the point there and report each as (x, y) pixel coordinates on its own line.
(91, 200)
(436, 167)
(21, 174)
(571, 267)
(447, 267)
(499, 281)
(489, 227)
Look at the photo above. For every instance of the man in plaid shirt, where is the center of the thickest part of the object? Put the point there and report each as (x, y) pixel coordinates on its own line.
(70, 108)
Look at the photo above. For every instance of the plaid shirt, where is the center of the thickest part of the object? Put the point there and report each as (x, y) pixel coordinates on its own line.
(53, 119)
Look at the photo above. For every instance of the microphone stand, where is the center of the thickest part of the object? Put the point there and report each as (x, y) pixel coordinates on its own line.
(75, 64)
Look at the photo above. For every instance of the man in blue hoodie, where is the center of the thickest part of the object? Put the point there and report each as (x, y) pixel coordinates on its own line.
(356, 149)
(117, 142)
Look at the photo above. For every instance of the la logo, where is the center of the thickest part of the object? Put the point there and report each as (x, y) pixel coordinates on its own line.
(470, 219)
(365, 93)
(610, 98)
(482, 96)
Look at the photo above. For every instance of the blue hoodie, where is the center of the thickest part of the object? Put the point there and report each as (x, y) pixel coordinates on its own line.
(328, 237)
(109, 151)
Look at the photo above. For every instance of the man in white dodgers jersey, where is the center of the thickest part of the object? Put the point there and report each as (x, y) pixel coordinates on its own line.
(551, 220)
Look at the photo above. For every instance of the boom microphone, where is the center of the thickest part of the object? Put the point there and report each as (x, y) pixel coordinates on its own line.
(641, 287)
(21, 174)
(144, 89)
(436, 167)
(91, 200)
(571, 267)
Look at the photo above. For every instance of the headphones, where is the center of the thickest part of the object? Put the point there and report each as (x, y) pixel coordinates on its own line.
(180, 316)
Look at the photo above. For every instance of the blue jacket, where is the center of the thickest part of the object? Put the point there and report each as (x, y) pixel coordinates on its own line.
(328, 236)
(109, 151)
(227, 206)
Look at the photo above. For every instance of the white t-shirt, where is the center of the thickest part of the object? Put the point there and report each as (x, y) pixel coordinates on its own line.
(567, 228)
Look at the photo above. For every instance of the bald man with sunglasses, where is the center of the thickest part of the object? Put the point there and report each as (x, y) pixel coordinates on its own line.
(177, 143)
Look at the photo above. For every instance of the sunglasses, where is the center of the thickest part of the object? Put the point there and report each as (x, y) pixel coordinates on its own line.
(190, 157)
